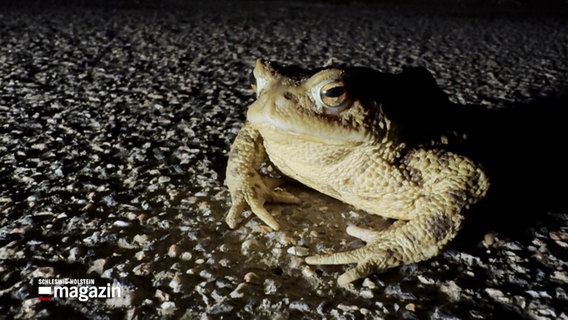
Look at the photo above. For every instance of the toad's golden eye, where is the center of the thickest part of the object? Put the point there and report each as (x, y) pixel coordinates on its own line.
(333, 94)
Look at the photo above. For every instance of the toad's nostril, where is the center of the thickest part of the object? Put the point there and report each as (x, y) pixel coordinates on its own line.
(290, 96)
(251, 78)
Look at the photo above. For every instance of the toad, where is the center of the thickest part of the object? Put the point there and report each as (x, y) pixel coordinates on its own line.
(367, 138)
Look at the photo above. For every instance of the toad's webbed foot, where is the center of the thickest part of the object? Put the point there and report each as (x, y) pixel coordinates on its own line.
(402, 243)
(254, 193)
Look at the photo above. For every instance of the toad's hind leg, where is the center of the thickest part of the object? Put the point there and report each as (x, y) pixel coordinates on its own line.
(416, 240)
(449, 185)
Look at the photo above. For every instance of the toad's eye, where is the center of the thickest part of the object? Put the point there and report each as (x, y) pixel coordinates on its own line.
(333, 95)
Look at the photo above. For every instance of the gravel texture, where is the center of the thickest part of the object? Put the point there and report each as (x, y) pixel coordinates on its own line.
(115, 124)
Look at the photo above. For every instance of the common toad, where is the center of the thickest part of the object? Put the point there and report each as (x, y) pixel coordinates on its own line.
(341, 132)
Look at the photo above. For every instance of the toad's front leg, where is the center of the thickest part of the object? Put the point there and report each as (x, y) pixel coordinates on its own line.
(246, 186)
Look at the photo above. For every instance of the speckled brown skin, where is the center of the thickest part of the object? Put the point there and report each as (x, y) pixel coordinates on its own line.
(342, 143)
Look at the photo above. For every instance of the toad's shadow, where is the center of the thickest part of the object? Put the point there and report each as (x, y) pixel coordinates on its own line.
(522, 149)
(520, 146)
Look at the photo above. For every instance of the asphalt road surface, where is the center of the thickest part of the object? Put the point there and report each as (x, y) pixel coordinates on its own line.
(116, 120)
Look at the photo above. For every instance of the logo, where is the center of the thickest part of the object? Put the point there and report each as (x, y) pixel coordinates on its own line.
(45, 293)
(80, 289)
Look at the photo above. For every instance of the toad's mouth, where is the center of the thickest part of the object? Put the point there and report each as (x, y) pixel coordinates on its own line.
(274, 124)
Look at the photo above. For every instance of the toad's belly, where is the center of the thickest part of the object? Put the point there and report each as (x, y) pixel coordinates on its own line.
(314, 174)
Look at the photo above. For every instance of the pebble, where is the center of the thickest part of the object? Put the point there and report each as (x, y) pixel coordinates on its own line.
(309, 273)
(250, 246)
(142, 269)
(366, 293)
(367, 283)
(140, 255)
(186, 256)
(97, 266)
(239, 291)
(173, 251)
(489, 239)
(451, 289)
(141, 239)
(425, 280)
(220, 308)
(161, 295)
(167, 308)
(299, 306)
(270, 286)
(124, 244)
(207, 275)
(298, 251)
(121, 224)
(43, 272)
(73, 252)
(561, 238)
(498, 295)
(175, 284)
(251, 277)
